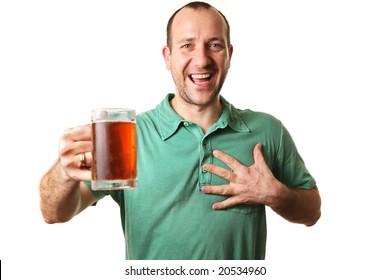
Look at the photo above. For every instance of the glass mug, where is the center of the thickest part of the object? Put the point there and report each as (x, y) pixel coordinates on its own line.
(114, 149)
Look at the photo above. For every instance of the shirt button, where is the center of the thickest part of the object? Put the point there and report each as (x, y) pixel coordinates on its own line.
(186, 124)
(204, 142)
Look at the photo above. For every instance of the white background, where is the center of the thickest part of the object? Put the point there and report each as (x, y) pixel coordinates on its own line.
(322, 67)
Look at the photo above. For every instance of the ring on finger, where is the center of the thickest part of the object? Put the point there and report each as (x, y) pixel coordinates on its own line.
(83, 160)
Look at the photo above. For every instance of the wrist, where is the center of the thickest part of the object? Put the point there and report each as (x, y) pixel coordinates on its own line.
(281, 197)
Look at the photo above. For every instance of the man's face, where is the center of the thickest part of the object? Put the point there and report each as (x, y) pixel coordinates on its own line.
(199, 58)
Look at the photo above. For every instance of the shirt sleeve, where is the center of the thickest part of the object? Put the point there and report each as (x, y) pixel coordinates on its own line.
(290, 167)
(98, 194)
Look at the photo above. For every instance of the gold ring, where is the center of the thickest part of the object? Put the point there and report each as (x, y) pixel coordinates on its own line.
(83, 160)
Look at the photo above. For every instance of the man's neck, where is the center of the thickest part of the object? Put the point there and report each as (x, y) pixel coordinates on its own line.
(203, 116)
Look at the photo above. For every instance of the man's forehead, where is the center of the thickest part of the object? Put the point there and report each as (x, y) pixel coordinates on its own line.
(189, 13)
(185, 16)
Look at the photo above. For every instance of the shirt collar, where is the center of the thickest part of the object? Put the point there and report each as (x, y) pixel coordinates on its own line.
(169, 121)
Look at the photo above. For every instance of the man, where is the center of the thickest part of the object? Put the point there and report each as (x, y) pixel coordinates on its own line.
(206, 170)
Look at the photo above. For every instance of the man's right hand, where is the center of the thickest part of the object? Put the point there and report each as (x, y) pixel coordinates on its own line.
(62, 191)
(73, 143)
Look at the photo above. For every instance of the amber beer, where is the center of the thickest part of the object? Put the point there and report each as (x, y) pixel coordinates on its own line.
(114, 149)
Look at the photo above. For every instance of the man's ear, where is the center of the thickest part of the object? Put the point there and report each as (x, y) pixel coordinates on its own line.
(167, 57)
(230, 54)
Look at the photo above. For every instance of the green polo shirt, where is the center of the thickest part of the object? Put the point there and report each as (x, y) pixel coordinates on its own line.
(168, 217)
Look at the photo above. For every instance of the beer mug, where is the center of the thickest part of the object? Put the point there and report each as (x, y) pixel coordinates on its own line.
(114, 149)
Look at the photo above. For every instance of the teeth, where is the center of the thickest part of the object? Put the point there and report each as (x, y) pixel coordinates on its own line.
(201, 76)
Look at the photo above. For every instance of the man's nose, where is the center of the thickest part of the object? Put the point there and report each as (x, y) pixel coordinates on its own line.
(201, 57)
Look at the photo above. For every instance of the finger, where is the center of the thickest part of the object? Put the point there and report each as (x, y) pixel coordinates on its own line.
(260, 163)
(78, 133)
(228, 160)
(75, 158)
(73, 148)
(258, 154)
(72, 168)
(220, 190)
(227, 203)
(85, 175)
(219, 171)
(88, 158)
(79, 174)
(75, 141)
(83, 160)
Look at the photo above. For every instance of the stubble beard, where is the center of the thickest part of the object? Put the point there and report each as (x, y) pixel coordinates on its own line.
(186, 94)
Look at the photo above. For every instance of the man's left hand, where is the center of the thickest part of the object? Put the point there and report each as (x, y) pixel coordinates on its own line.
(247, 185)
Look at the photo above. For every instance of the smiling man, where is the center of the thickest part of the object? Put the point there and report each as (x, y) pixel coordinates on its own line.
(206, 170)
(198, 53)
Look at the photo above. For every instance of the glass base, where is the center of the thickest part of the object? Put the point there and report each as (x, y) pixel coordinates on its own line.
(112, 185)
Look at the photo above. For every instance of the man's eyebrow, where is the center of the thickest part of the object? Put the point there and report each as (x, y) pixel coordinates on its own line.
(185, 40)
(216, 39)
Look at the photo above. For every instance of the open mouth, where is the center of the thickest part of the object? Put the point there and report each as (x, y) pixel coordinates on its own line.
(200, 79)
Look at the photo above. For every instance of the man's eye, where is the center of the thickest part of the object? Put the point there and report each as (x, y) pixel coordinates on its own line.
(216, 45)
(186, 46)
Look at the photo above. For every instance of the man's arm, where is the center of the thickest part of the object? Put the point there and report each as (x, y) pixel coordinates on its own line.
(298, 205)
(257, 185)
(62, 198)
(62, 193)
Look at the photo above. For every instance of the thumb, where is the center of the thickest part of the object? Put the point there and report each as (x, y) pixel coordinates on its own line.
(258, 154)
